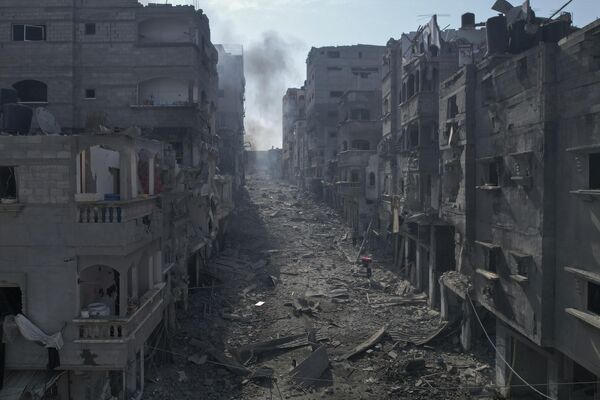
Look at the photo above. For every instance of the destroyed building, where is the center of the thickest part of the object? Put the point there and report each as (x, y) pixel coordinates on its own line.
(122, 212)
(330, 72)
(485, 181)
(230, 114)
(293, 112)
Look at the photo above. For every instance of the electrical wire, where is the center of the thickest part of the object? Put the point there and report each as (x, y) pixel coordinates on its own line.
(500, 355)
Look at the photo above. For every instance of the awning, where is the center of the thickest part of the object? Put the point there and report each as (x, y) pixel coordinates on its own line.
(17, 384)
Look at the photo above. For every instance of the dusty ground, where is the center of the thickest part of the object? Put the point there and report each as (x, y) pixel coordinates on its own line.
(286, 246)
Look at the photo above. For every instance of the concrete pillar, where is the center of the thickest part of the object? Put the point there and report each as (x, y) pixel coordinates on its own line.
(503, 346)
(420, 267)
(444, 309)
(433, 288)
(123, 294)
(151, 176)
(130, 377)
(134, 281)
(150, 272)
(554, 377)
(158, 257)
(466, 327)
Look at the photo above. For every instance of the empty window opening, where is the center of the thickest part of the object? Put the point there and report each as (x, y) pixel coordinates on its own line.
(332, 134)
(90, 94)
(28, 33)
(452, 107)
(334, 68)
(31, 91)
(360, 55)
(359, 114)
(8, 183)
(332, 114)
(493, 175)
(90, 29)
(336, 93)
(593, 301)
(584, 386)
(372, 179)
(360, 144)
(354, 177)
(594, 171)
(178, 148)
(333, 54)
(414, 136)
(411, 86)
(345, 145)
(492, 263)
(11, 302)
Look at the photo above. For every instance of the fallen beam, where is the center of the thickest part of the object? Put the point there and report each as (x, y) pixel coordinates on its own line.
(364, 346)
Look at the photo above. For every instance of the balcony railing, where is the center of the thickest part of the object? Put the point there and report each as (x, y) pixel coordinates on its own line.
(113, 212)
(116, 329)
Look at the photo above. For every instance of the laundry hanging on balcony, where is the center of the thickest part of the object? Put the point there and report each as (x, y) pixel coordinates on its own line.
(35, 334)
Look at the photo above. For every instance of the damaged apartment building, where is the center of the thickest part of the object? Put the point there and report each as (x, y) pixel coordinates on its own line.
(112, 193)
(482, 184)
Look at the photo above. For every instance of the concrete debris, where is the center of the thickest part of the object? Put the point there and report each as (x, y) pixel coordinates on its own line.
(310, 370)
(370, 342)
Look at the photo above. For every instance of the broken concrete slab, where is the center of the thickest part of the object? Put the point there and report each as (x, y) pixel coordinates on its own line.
(308, 371)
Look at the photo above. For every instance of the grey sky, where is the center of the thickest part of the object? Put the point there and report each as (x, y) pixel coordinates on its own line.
(300, 24)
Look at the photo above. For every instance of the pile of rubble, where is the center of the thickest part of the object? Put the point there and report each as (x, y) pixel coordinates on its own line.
(286, 312)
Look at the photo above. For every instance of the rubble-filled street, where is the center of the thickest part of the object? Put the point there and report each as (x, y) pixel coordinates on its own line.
(290, 314)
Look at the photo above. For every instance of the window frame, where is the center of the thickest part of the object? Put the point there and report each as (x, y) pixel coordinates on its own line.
(25, 26)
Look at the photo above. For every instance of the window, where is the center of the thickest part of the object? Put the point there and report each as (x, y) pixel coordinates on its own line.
(354, 176)
(29, 33)
(360, 144)
(332, 114)
(90, 29)
(332, 134)
(90, 93)
(593, 298)
(178, 148)
(31, 91)
(594, 162)
(8, 183)
(452, 109)
(364, 75)
(333, 54)
(334, 68)
(493, 175)
(372, 179)
(492, 260)
(360, 54)
(336, 93)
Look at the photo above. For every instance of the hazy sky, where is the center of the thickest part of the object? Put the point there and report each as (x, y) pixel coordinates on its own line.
(277, 35)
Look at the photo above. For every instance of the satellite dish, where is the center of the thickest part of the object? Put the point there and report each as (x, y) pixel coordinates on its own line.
(47, 122)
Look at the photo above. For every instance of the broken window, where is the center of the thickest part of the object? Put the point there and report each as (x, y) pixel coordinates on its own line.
(452, 109)
(413, 136)
(333, 54)
(27, 33)
(593, 298)
(411, 86)
(372, 179)
(8, 183)
(11, 302)
(594, 171)
(345, 145)
(31, 91)
(90, 94)
(360, 114)
(90, 29)
(336, 93)
(360, 55)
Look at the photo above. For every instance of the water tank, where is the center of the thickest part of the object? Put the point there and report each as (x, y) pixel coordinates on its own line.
(497, 35)
(17, 118)
(8, 96)
(468, 20)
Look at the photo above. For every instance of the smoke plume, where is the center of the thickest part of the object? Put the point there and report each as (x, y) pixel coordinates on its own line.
(270, 65)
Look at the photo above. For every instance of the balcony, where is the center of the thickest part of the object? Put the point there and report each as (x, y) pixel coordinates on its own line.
(420, 105)
(120, 330)
(355, 158)
(349, 189)
(115, 212)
